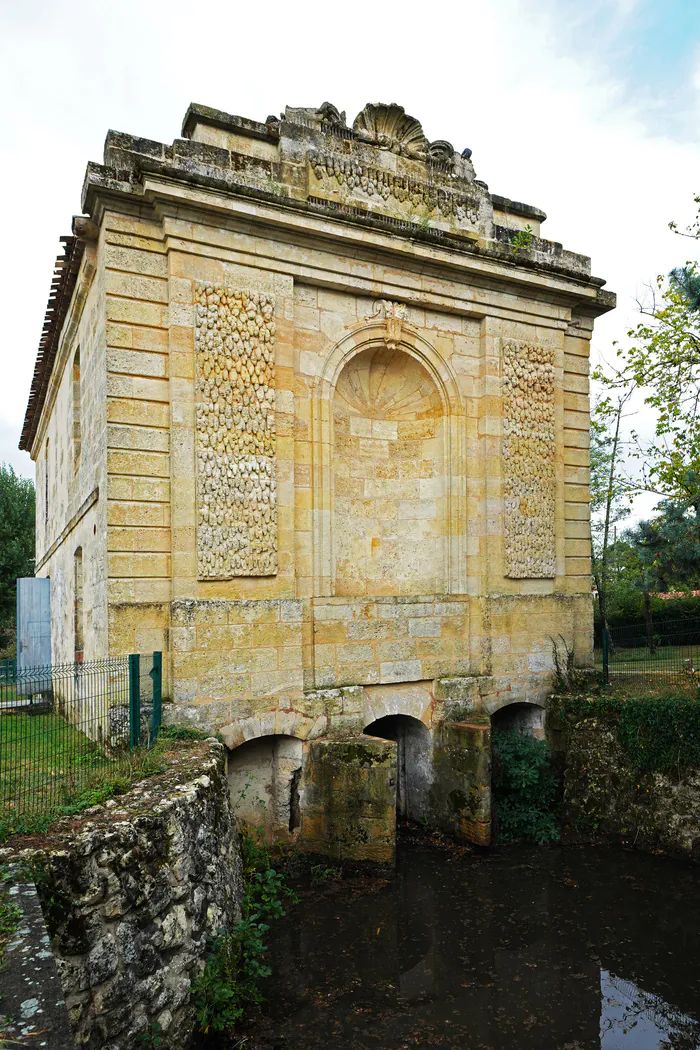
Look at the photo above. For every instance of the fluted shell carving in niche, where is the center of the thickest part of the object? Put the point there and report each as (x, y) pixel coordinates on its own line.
(387, 384)
(390, 126)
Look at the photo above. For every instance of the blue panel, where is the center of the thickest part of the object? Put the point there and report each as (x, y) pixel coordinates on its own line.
(33, 622)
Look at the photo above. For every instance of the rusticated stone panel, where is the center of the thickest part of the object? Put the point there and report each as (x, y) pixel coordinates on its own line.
(529, 447)
(235, 437)
(350, 175)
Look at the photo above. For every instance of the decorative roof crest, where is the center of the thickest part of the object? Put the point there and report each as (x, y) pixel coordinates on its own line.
(331, 114)
(442, 151)
(390, 126)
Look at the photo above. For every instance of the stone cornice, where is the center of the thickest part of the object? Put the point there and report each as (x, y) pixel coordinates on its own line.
(296, 224)
(380, 174)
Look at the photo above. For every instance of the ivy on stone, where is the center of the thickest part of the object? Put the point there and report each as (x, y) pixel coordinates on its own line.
(656, 735)
(525, 789)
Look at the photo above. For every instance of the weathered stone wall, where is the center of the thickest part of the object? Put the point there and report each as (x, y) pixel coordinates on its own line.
(130, 892)
(605, 796)
(71, 473)
(361, 641)
(350, 801)
(32, 1006)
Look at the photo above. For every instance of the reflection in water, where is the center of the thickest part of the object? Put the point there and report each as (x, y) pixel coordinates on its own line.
(632, 1018)
(519, 949)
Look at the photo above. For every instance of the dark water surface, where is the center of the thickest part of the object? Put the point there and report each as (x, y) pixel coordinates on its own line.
(512, 948)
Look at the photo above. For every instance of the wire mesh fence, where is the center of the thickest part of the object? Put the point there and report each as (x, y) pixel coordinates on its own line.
(665, 655)
(67, 728)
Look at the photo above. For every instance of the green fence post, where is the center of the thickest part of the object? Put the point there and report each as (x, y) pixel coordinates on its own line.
(606, 668)
(134, 700)
(157, 678)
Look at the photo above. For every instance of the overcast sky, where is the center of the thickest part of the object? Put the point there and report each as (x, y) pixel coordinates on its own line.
(588, 110)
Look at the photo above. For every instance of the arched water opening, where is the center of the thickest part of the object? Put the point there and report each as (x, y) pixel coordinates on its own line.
(523, 718)
(524, 783)
(263, 779)
(414, 762)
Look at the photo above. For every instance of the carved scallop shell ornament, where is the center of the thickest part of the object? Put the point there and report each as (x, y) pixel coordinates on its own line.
(387, 384)
(388, 125)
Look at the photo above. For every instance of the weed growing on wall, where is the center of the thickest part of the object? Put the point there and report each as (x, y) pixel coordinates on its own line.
(656, 735)
(566, 677)
(522, 241)
(230, 985)
(10, 914)
(525, 789)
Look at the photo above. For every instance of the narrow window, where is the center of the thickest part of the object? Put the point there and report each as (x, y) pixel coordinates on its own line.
(46, 494)
(78, 603)
(77, 420)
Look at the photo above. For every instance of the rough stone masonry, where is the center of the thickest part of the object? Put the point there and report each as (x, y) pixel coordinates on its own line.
(130, 892)
(311, 415)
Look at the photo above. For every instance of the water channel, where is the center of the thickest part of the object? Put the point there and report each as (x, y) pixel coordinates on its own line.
(521, 948)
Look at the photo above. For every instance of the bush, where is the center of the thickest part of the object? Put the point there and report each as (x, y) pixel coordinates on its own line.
(625, 608)
(525, 789)
(229, 986)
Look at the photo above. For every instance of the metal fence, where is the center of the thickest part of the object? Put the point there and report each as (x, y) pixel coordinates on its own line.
(67, 728)
(665, 655)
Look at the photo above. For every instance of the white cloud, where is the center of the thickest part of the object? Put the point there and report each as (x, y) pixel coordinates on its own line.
(549, 121)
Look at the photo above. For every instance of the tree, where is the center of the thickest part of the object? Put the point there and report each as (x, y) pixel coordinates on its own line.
(668, 547)
(17, 511)
(609, 486)
(687, 283)
(664, 359)
(672, 540)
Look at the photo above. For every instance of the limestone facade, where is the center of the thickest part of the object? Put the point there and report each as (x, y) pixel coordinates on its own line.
(334, 413)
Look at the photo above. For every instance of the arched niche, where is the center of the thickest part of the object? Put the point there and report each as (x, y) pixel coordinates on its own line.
(386, 411)
(389, 477)
(414, 763)
(520, 717)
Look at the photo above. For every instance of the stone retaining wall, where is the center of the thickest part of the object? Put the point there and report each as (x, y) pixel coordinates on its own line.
(131, 890)
(605, 797)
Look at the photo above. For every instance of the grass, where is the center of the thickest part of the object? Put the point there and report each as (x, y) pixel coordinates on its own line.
(671, 671)
(49, 769)
(45, 761)
(665, 657)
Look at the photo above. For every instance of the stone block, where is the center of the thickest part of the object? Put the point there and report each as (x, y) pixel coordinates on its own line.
(424, 628)
(350, 801)
(459, 689)
(400, 671)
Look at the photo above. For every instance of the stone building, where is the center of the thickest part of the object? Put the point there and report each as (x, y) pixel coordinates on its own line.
(310, 414)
